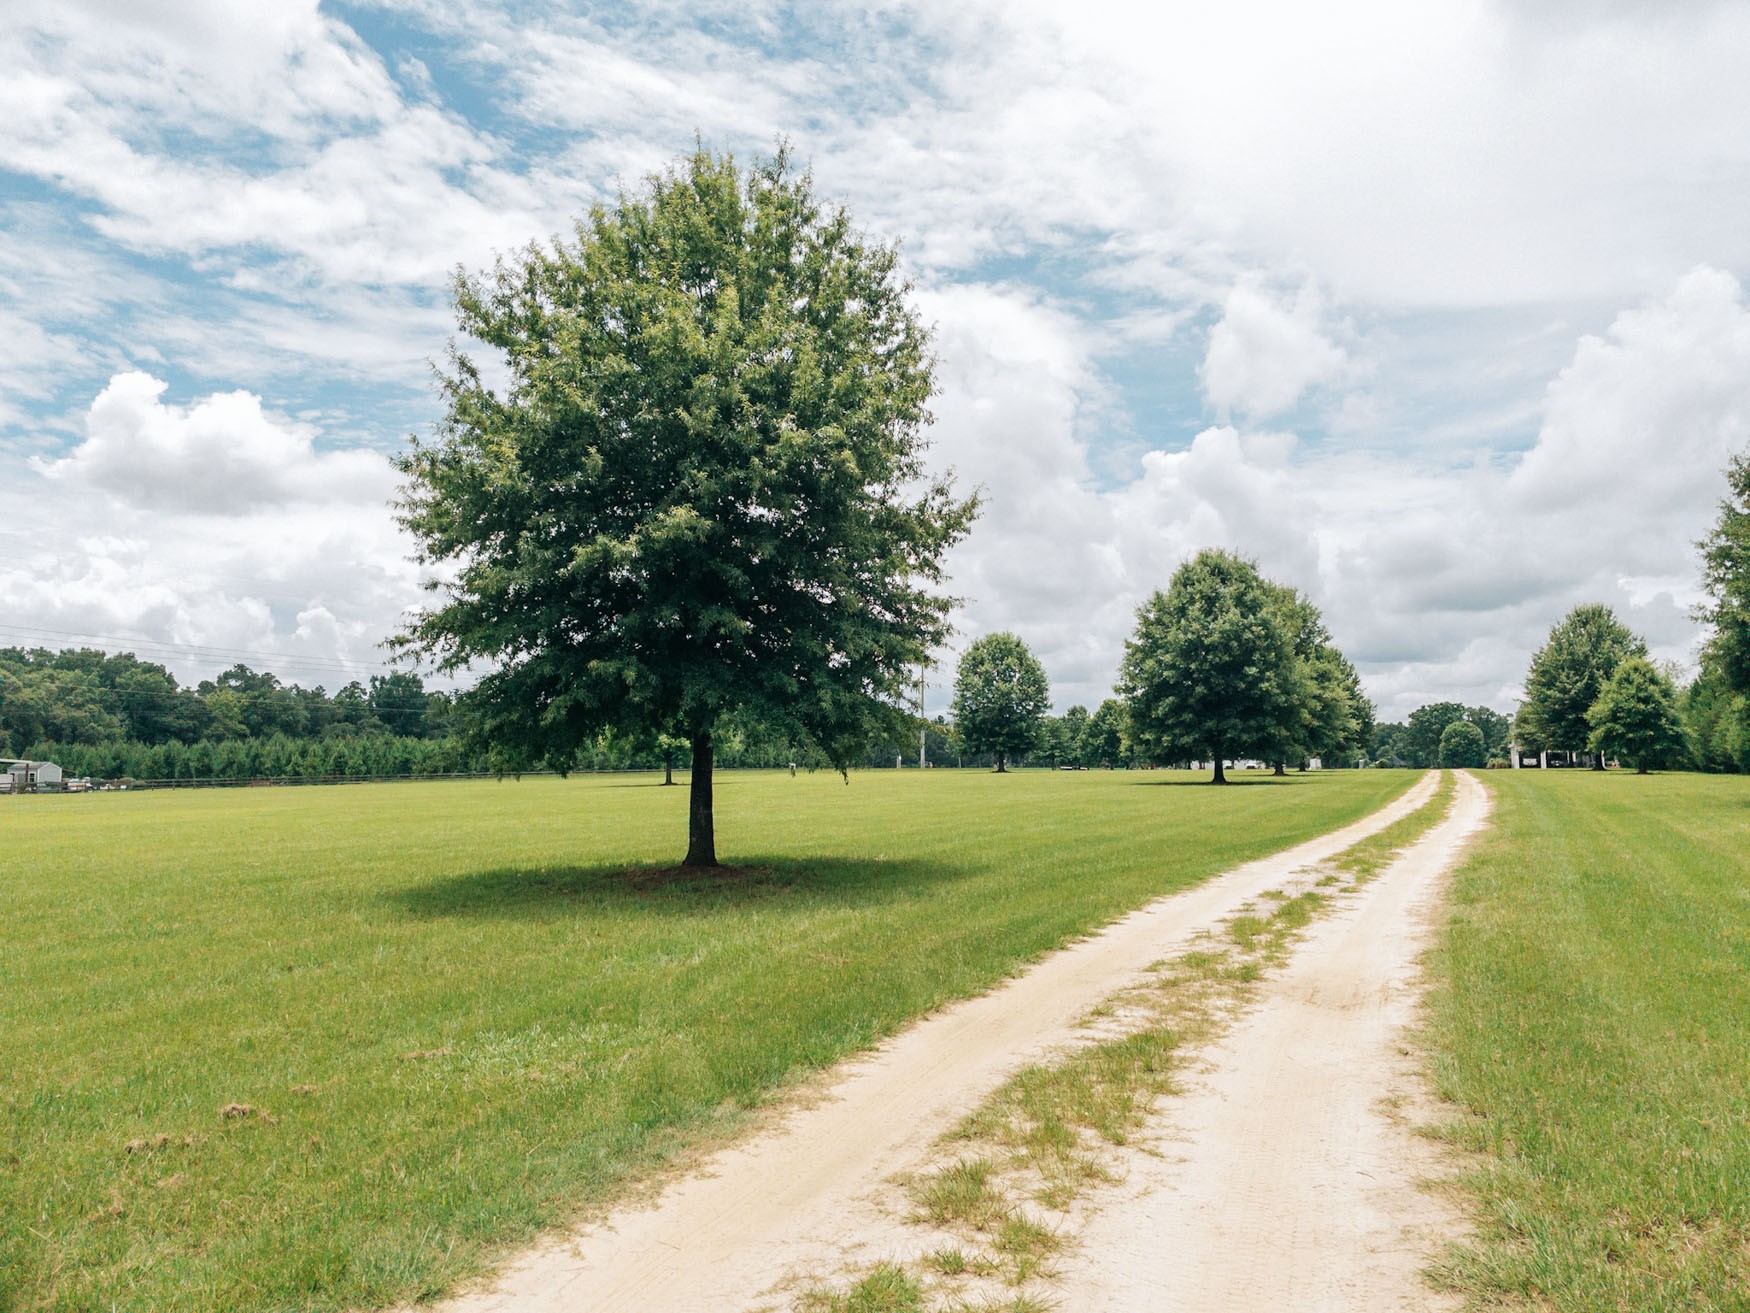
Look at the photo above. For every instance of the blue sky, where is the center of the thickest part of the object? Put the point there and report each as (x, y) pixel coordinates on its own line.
(1435, 309)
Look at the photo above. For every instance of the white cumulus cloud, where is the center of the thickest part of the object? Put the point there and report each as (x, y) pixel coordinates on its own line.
(1267, 351)
(224, 455)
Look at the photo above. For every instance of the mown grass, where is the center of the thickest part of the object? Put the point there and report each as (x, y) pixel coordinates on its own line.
(1592, 1019)
(454, 1018)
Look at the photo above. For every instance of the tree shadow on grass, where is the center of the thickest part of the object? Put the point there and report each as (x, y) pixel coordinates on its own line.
(540, 893)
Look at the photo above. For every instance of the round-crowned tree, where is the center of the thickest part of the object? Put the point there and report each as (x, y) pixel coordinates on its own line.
(1463, 747)
(1211, 670)
(1636, 717)
(1001, 696)
(700, 490)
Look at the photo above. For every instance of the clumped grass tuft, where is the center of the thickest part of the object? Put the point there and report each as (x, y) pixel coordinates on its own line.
(1246, 929)
(960, 1194)
(1589, 1021)
(460, 1012)
(1021, 1237)
(953, 1262)
(887, 1289)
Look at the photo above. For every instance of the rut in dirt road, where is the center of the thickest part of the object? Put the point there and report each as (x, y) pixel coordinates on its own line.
(1288, 1182)
(803, 1196)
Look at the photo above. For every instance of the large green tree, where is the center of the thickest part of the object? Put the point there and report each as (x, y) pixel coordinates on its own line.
(1001, 696)
(1636, 716)
(1568, 673)
(1338, 719)
(1716, 718)
(701, 490)
(1334, 718)
(1725, 555)
(1211, 669)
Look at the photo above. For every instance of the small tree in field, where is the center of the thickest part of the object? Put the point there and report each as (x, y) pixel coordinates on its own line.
(1211, 670)
(1636, 717)
(701, 491)
(1001, 696)
(1463, 747)
(666, 748)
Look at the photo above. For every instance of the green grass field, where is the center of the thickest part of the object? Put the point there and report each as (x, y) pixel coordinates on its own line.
(1593, 1020)
(455, 1019)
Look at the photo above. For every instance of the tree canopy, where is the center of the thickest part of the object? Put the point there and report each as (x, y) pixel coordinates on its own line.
(1636, 716)
(702, 488)
(1568, 673)
(86, 696)
(1462, 746)
(1001, 696)
(1211, 670)
(1416, 742)
(1725, 555)
(1716, 718)
(1103, 740)
(1419, 744)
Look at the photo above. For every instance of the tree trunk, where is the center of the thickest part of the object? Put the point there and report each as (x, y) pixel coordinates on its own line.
(701, 830)
(667, 771)
(1640, 768)
(1220, 770)
(1002, 763)
(1279, 770)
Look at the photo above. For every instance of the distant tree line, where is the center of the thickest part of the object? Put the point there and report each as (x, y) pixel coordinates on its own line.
(114, 716)
(1417, 742)
(87, 696)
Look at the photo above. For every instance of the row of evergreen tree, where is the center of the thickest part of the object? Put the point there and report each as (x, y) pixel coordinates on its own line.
(82, 695)
(380, 755)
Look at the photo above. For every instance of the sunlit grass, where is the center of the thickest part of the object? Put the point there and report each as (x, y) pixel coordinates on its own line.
(1591, 1022)
(454, 1019)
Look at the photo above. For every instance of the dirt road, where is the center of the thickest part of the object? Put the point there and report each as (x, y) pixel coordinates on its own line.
(802, 1196)
(1290, 1184)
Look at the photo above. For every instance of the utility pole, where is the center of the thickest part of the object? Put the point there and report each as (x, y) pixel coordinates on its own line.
(924, 726)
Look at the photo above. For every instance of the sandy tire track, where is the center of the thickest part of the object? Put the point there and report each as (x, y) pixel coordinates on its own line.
(801, 1195)
(1288, 1183)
